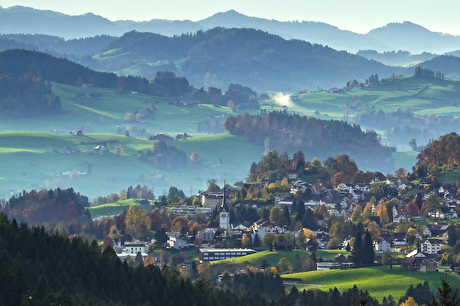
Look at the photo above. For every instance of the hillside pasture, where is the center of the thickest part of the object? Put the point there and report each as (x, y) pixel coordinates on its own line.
(380, 281)
(36, 160)
(274, 257)
(115, 208)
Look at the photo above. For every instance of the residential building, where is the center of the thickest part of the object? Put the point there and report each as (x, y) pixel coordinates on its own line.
(382, 246)
(431, 246)
(135, 247)
(219, 254)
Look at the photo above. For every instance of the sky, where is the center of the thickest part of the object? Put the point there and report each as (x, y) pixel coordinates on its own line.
(358, 16)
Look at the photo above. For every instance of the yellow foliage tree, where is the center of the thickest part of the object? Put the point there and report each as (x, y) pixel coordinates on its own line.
(245, 241)
(308, 233)
(149, 261)
(382, 213)
(137, 221)
(367, 210)
(409, 302)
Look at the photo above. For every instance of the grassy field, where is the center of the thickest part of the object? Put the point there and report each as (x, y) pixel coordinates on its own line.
(104, 115)
(113, 209)
(35, 160)
(451, 177)
(273, 257)
(408, 93)
(379, 281)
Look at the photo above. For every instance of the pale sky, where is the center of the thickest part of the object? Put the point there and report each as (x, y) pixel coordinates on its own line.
(355, 15)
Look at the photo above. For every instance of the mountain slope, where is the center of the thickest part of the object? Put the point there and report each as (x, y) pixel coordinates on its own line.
(394, 36)
(250, 57)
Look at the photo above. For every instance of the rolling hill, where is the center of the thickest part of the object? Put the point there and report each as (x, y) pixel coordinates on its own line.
(254, 58)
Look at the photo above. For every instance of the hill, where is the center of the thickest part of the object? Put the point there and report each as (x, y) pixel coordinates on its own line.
(448, 64)
(391, 37)
(254, 58)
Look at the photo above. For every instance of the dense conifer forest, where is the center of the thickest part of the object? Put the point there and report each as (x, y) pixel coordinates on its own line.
(41, 269)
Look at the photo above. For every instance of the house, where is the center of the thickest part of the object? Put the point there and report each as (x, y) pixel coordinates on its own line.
(214, 199)
(207, 234)
(311, 245)
(399, 239)
(426, 232)
(417, 253)
(431, 246)
(419, 264)
(455, 268)
(283, 246)
(183, 259)
(100, 149)
(175, 242)
(382, 246)
(437, 229)
(340, 258)
(135, 247)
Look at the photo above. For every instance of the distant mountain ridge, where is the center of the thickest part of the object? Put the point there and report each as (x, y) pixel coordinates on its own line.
(254, 58)
(394, 36)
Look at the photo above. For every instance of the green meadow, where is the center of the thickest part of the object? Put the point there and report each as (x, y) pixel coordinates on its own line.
(113, 209)
(35, 160)
(28, 146)
(274, 257)
(380, 281)
(421, 96)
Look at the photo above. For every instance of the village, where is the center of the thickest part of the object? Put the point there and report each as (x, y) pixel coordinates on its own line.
(401, 234)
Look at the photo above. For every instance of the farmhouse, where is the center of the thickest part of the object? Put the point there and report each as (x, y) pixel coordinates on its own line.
(419, 264)
(381, 246)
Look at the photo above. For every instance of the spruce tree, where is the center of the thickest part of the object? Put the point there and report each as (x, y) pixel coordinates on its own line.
(368, 250)
(358, 248)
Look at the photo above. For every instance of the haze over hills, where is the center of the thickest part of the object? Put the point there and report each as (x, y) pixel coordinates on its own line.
(394, 36)
(246, 56)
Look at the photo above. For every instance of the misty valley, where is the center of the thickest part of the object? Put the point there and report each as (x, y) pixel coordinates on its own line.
(232, 160)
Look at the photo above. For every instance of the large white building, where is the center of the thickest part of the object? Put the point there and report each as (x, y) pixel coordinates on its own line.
(431, 246)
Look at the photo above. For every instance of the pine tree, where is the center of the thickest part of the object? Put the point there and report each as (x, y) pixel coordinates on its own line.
(300, 211)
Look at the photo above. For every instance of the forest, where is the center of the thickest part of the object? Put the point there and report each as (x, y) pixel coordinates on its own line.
(41, 269)
(27, 95)
(163, 156)
(315, 137)
(443, 154)
(401, 126)
(50, 206)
